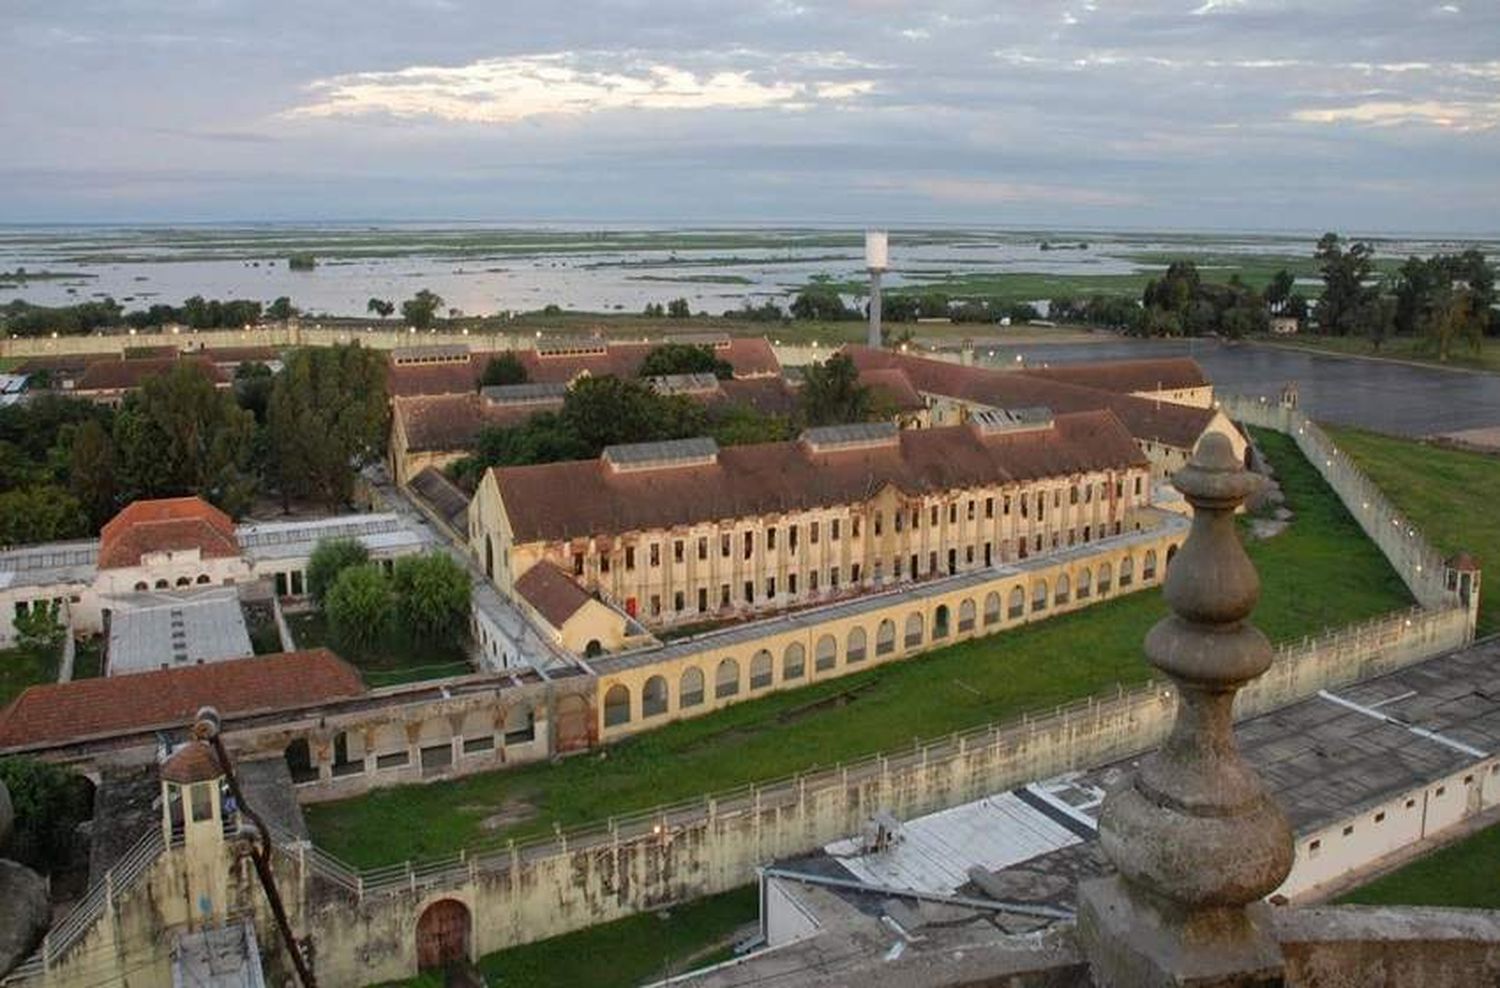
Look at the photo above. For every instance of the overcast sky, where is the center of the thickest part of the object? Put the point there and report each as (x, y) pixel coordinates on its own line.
(1246, 114)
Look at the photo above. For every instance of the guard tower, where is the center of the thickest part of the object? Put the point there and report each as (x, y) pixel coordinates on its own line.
(877, 259)
(193, 820)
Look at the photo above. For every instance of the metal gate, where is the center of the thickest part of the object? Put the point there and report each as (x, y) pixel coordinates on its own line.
(443, 935)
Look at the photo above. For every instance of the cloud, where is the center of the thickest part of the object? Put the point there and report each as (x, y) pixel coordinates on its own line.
(985, 192)
(511, 89)
(1475, 116)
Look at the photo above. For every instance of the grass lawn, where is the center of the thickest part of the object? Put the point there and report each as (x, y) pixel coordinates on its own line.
(640, 948)
(1402, 348)
(1465, 874)
(1450, 493)
(391, 661)
(994, 678)
(20, 668)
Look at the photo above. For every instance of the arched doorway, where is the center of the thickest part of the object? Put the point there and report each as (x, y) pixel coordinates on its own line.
(574, 727)
(443, 935)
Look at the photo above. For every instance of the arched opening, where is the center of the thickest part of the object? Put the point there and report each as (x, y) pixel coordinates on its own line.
(520, 724)
(161, 584)
(342, 763)
(202, 579)
(885, 637)
(1017, 606)
(1106, 575)
(690, 689)
(727, 679)
(1171, 554)
(1148, 565)
(183, 581)
(575, 723)
(940, 622)
(1127, 571)
(593, 649)
(760, 669)
(1063, 591)
(443, 935)
(991, 609)
(854, 646)
(489, 557)
(299, 761)
(654, 697)
(142, 585)
(793, 662)
(1039, 596)
(966, 612)
(1085, 583)
(826, 653)
(914, 625)
(616, 706)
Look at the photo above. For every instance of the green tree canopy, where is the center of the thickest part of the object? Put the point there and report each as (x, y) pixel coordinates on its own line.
(359, 606)
(832, 394)
(432, 596)
(50, 803)
(605, 410)
(91, 474)
(281, 309)
(505, 368)
(329, 559)
(684, 358)
(381, 307)
(1345, 289)
(678, 309)
(40, 629)
(327, 418)
(421, 309)
(821, 301)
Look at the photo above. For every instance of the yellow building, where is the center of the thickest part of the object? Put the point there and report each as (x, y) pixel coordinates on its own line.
(684, 532)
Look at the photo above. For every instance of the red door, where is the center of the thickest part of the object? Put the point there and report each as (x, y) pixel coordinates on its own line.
(443, 935)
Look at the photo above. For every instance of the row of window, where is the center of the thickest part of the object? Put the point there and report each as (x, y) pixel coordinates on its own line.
(727, 681)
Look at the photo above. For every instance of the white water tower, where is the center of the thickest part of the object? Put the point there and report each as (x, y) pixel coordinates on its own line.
(877, 259)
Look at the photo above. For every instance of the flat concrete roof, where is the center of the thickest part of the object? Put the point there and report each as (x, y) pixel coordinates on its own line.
(168, 629)
(296, 539)
(49, 564)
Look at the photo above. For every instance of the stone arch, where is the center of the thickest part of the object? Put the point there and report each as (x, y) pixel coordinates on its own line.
(142, 585)
(617, 705)
(443, 934)
(202, 578)
(940, 622)
(690, 687)
(992, 608)
(726, 679)
(914, 628)
(183, 581)
(826, 653)
(885, 637)
(299, 760)
(1017, 602)
(854, 646)
(966, 614)
(1148, 565)
(1085, 583)
(593, 649)
(1039, 596)
(1062, 590)
(1172, 553)
(1106, 576)
(575, 723)
(1127, 571)
(793, 661)
(654, 698)
(161, 585)
(760, 669)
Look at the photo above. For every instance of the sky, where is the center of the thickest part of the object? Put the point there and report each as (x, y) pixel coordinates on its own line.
(1370, 116)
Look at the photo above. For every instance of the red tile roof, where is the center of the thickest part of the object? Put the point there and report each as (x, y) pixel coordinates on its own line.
(552, 592)
(1127, 376)
(892, 387)
(750, 357)
(193, 762)
(452, 422)
(63, 362)
(88, 709)
(581, 498)
(767, 395)
(173, 523)
(124, 375)
(241, 354)
(1147, 419)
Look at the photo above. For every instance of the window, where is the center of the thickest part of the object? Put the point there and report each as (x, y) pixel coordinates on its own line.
(854, 573)
(791, 584)
(655, 604)
(826, 654)
(690, 689)
(833, 577)
(791, 538)
(655, 554)
(879, 522)
(203, 801)
(1025, 506)
(1348, 830)
(853, 528)
(897, 517)
(703, 599)
(677, 602)
(1005, 505)
(1041, 505)
(770, 587)
(1137, 486)
(577, 564)
(793, 661)
(854, 646)
(812, 581)
(989, 507)
(971, 509)
(931, 563)
(1057, 498)
(1380, 817)
(760, 670)
(969, 554)
(723, 595)
(812, 533)
(953, 513)
(749, 591)
(703, 548)
(913, 630)
(992, 609)
(1039, 596)
(885, 637)
(727, 679)
(604, 563)
(770, 538)
(934, 516)
(833, 530)
(724, 545)
(677, 551)
(616, 706)
(749, 544)
(654, 697)
(630, 557)
(1313, 848)
(1073, 494)
(916, 519)
(1017, 602)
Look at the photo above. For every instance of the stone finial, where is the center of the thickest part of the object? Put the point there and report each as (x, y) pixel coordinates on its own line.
(1194, 835)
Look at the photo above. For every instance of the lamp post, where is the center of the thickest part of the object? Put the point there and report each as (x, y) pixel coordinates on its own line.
(877, 259)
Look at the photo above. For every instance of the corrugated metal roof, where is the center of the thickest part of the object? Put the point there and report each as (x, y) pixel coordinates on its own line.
(672, 452)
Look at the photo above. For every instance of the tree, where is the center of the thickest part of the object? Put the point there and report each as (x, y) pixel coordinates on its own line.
(44, 513)
(91, 472)
(301, 261)
(1279, 289)
(821, 301)
(281, 310)
(654, 310)
(179, 434)
(381, 307)
(253, 383)
(358, 606)
(420, 310)
(832, 394)
(327, 419)
(678, 309)
(740, 425)
(50, 803)
(684, 358)
(329, 559)
(39, 630)
(1345, 273)
(432, 596)
(504, 369)
(1453, 321)
(606, 410)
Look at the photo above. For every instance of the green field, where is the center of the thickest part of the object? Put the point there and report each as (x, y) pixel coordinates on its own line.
(1401, 348)
(1465, 874)
(644, 947)
(391, 661)
(994, 678)
(1449, 493)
